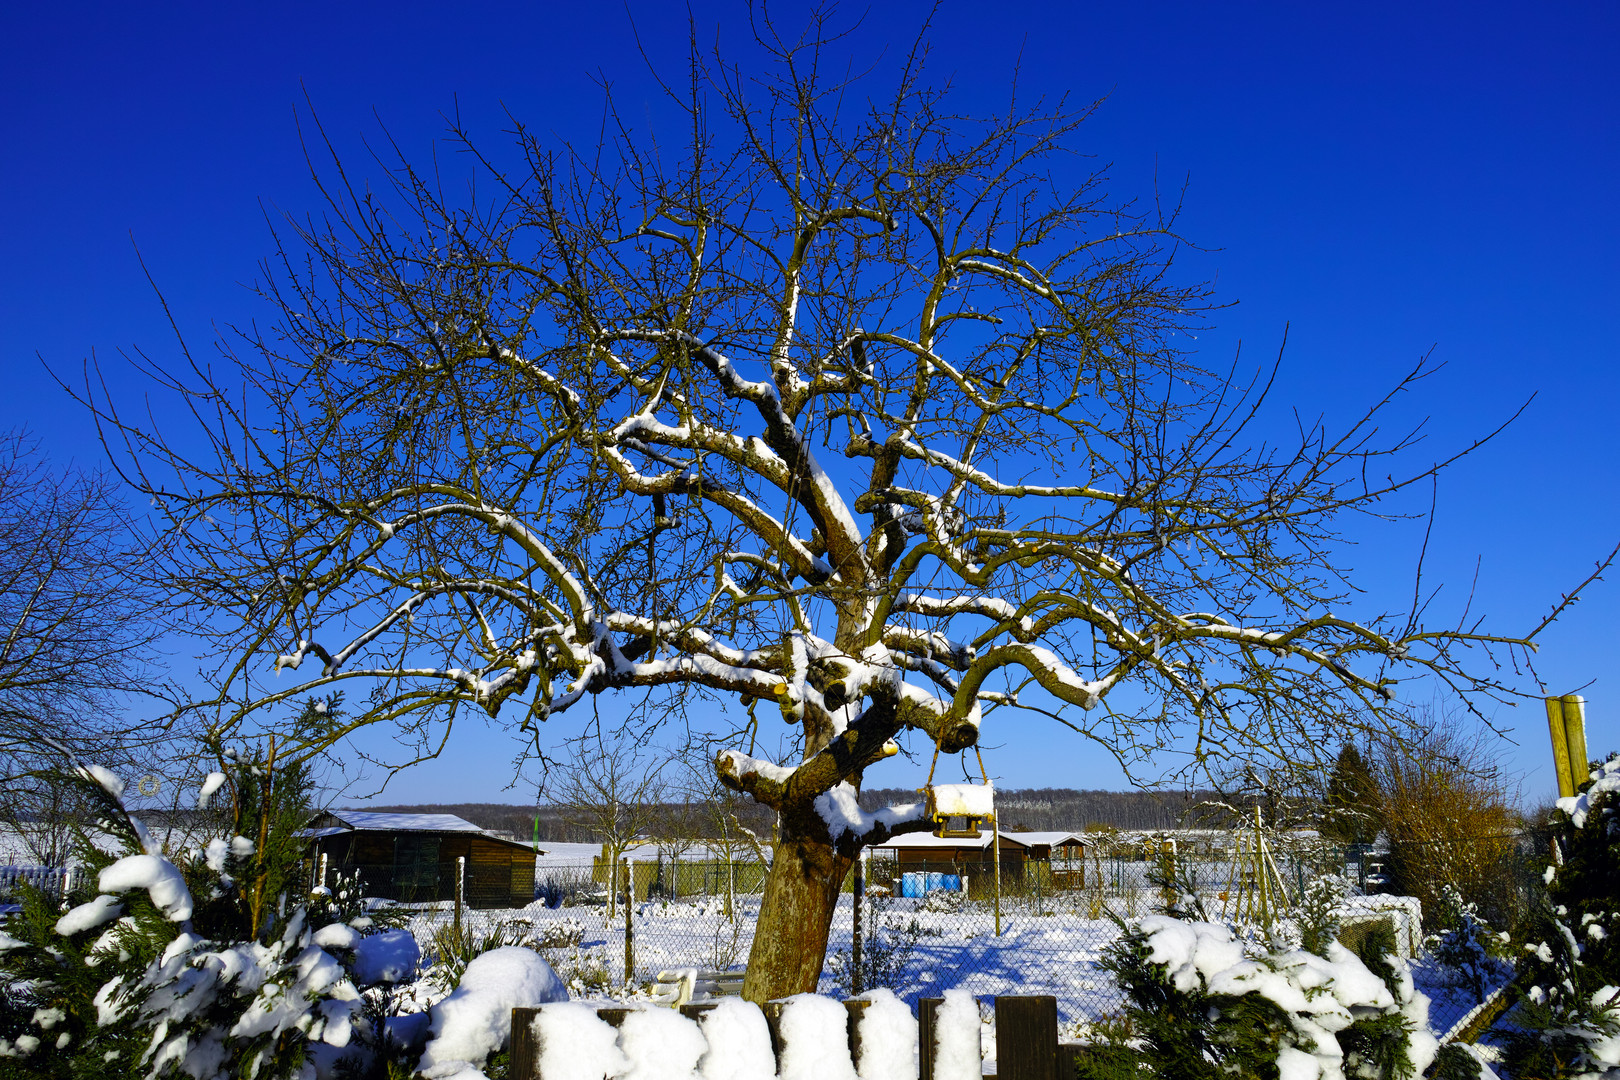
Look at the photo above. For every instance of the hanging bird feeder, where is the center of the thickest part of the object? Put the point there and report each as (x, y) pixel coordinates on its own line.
(969, 804)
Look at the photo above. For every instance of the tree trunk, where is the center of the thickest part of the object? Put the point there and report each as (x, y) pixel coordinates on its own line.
(801, 894)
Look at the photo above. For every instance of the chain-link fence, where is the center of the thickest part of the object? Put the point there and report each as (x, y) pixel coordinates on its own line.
(926, 927)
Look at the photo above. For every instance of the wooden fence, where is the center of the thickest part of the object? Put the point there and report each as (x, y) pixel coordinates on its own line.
(1027, 1046)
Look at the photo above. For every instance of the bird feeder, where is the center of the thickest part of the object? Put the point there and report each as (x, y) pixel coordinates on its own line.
(970, 804)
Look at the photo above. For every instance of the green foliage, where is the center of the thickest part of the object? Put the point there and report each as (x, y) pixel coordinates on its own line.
(1191, 1033)
(1176, 1025)
(217, 975)
(1318, 912)
(1455, 1062)
(1373, 943)
(452, 948)
(1466, 945)
(1352, 805)
(1109, 1054)
(1566, 1005)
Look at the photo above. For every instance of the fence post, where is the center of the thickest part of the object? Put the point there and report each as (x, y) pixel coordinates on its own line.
(995, 854)
(461, 888)
(1026, 1037)
(926, 1010)
(522, 1061)
(858, 895)
(773, 1021)
(629, 926)
(856, 1010)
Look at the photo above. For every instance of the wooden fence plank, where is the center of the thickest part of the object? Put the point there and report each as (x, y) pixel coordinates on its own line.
(524, 1054)
(1026, 1037)
(926, 1010)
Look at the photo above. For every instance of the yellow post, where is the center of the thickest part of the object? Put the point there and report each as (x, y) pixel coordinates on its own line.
(1560, 746)
(1575, 734)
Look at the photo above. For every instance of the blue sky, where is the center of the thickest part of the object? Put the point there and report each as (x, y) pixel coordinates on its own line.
(1382, 179)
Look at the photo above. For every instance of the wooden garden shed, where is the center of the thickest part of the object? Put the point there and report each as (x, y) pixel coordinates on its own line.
(413, 857)
(1055, 859)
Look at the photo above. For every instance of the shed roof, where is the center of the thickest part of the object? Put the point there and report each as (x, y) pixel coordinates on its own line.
(1022, 839)
(369, 821)
(929, 840)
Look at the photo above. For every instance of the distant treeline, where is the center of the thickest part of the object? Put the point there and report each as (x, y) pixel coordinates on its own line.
(1038, 809)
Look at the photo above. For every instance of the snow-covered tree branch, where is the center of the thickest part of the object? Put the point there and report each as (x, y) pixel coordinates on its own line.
(846, 407)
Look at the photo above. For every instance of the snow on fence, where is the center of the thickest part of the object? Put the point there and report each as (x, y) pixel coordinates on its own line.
(799, 1038)
(51, 880)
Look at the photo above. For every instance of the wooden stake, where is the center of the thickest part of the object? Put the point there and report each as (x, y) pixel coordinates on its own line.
(1560, 746)
(1574, 710)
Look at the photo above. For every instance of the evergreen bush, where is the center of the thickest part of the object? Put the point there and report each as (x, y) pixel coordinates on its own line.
(1567, 1020)
(1202, 1005)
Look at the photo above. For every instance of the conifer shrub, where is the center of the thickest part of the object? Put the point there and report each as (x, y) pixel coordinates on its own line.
(1566, 1022)
(1203, 1005)
(207, 964)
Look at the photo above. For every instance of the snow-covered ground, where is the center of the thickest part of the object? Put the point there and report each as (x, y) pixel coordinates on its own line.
(923, 948)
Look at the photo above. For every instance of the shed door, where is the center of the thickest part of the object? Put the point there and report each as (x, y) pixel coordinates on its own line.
(416, 866)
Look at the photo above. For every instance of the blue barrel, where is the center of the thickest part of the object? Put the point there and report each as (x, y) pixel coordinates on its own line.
(951, 882)
(935, 881)
(913, 884)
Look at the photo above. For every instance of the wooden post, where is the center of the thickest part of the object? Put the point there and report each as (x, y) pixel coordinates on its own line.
(1574, 709)
(1026, 1038)
(1560, 746)
(995, 853)
(858, 894)
(773, 1021)
(461, 889)
(523, 1055)
(856, 1010)
(927, 1010)
(629, 928)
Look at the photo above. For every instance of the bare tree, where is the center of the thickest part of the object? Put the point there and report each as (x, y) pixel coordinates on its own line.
(1449, 810)
(834, 404)
(76, 639)
(612, 790)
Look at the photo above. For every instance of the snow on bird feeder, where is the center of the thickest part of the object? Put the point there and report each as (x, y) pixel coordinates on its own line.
(971, 804)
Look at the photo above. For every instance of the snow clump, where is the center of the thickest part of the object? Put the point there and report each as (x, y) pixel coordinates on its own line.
(957, 1053)
(739, 1042)
(888, 1038)
(661, 1044)
(389, 957)
(574, 1044)
(476, 1019)
(815, 1040)
(158, 876)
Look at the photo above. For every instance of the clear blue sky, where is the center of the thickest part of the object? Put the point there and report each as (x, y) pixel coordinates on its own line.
(1385, 178)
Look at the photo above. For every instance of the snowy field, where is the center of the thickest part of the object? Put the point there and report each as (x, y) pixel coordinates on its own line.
(917, 948)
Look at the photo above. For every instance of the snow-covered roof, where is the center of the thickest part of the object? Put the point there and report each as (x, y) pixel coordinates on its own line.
(1022, 839)
(929, 840)
(367, 821)
(1051, 839)
(353, 821)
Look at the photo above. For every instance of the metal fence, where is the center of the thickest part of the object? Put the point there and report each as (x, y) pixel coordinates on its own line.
(53, 881)
(1046, 934)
